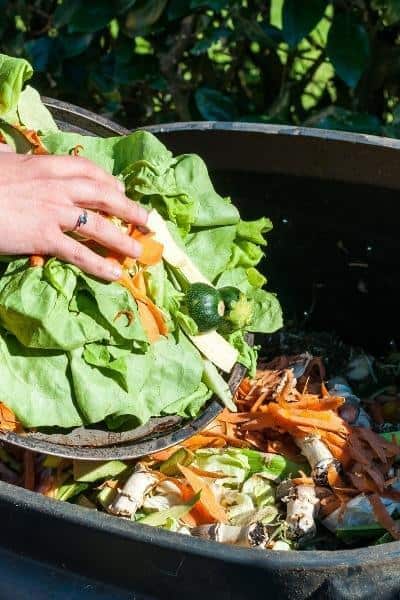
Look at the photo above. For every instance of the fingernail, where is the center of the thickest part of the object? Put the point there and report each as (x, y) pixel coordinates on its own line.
(137, 249)
(142, 214)
(115, 271)
(121, 186)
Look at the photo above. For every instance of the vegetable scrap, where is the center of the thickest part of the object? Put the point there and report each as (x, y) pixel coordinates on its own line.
(77, 351)
(291, 469)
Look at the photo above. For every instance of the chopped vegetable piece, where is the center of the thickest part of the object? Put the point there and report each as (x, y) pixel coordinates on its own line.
(218, 385)
(97, 470)
(158, 519)
(208, 499)
(171, 465)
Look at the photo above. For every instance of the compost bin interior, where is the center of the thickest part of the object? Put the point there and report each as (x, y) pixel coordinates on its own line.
(333, 258)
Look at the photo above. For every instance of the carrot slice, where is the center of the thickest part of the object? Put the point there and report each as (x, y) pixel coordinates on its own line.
(165, 454)
(197, 441)
(8, 420)
(210, 474)
(374, 441)
(207, 498)
(148, 322)
(36, 261)
(228, 417)
(33, 138)
(128, 283)
(139, 283)
(152, 250)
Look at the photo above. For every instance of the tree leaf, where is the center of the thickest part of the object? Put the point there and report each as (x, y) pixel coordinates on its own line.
(122, 6)
(389, 9)
(348, 48)
(74, 44)
(42, 52)
(64, 12)
(299, 17)
(208, 40)
(216, 5)
(178, 9)
(91, 17)
(214, 105)
(146, 13)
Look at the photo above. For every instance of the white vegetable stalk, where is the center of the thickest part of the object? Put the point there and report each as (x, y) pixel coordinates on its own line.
(212, 345)
(251, 536)
(318, 455)
(174, 255)
(132, 495)
(301, 510)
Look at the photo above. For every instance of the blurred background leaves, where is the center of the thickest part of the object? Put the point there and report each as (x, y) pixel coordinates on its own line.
(319, 63)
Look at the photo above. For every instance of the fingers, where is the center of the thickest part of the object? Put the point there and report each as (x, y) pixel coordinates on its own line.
(5, 148)
(51, 167)
(74, 252)
(102, 231)
(95, 195)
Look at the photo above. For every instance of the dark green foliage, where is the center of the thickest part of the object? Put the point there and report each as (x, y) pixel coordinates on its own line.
(329, 63)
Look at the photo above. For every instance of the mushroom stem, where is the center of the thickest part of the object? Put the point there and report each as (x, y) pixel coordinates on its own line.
(319, 456)
(302, 508)
(132, 495)
(250, 536)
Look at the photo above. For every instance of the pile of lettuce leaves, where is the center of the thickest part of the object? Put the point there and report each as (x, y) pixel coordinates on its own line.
(65, 360)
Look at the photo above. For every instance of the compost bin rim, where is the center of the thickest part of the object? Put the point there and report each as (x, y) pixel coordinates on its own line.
(298, 560)
(68, 109)
(292, 130)
(295, 560)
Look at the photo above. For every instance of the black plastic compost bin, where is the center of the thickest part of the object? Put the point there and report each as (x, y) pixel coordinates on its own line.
(334, 261)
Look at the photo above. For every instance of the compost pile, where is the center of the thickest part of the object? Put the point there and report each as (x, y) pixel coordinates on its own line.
(299, 458)
(304, 463)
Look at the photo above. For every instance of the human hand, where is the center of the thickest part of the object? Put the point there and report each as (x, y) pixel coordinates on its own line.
(42, 198)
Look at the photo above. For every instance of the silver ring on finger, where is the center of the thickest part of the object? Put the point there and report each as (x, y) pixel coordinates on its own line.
(82, 220)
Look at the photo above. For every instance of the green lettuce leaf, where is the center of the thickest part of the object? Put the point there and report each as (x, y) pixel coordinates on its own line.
(74, 351)
(267, 312)
(32, 112)
(59, 307)
(253, 231)
(13, 74)
(14, 138)
(247, 354)
(35, 384)
(114, 154)
(211, 209)
(210, 249)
